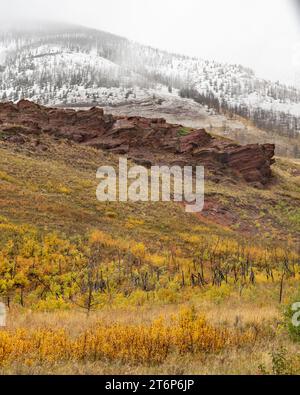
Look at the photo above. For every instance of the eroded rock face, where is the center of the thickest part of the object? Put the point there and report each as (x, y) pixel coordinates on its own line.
(152, 141)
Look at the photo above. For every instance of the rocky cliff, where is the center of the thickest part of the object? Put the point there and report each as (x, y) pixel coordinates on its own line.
(146, 141)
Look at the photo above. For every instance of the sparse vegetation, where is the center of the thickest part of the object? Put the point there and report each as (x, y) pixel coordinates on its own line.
(184, 131)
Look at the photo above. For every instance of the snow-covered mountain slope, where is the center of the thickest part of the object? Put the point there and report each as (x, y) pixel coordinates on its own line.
(71, 65)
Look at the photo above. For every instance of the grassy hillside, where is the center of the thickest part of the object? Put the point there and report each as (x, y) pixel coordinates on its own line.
(66, 258)
(55, 184)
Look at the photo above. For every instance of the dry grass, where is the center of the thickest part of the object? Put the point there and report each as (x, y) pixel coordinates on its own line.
(261, 320)
(240, 358)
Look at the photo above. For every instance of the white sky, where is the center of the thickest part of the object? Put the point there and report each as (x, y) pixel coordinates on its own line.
(261, 34)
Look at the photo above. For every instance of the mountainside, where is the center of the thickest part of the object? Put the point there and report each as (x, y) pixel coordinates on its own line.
(233, 172)
(71, 65)
(107, 277)
(81, 141)
(144, 287)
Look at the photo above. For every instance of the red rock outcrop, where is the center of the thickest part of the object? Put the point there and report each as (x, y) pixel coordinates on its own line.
(145, 140)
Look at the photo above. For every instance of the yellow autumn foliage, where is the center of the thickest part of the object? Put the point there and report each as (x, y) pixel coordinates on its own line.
(137, 344)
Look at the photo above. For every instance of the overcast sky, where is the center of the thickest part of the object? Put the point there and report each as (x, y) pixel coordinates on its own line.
(262, 34)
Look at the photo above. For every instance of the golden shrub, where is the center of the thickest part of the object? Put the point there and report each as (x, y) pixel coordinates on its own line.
(136, 344)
